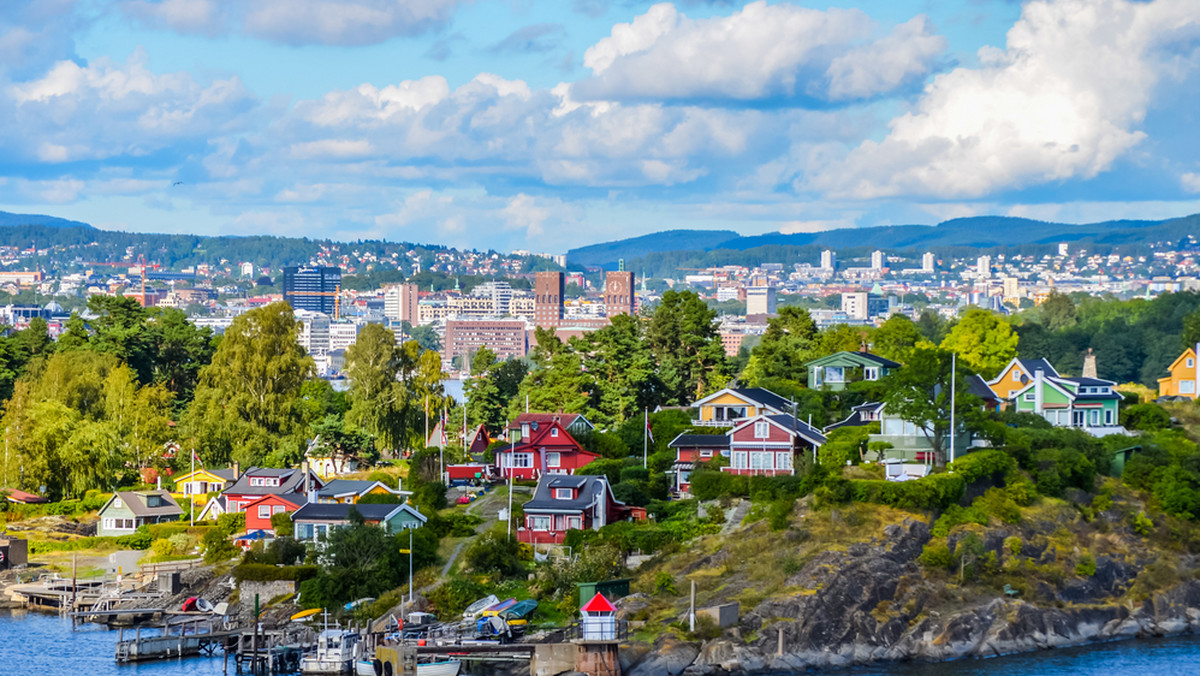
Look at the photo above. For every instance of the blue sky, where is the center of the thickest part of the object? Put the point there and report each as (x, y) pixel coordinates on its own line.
(547, 125)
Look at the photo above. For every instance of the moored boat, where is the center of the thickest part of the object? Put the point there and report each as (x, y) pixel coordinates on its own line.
(336, 652)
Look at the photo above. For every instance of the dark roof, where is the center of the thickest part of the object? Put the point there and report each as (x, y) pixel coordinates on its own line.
(1031, 366)
(567, 419)
(588, 487)
(346, 486)
(979, 387)
(801, 428)
(864, 356)
(1089, 382)
(226, 473)
(700, 441)
(337, 511)
(136, 501)
(765, 396)
(291, 481)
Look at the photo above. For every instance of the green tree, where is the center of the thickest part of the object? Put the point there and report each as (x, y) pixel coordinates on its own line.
(34, 340)
(622, 366)
(485, 403)
(119, 329)
(180, 350)
(683, 338)
(1058, 311)
(377, 397)
(76, 336)
(896, 338)
(932, 326)
(557, 382)
(785, 347)
(920, 393)
(984, 341)
(248, 398)
(1191, 330)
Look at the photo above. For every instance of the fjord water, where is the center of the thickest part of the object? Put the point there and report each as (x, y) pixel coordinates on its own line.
(33, 644)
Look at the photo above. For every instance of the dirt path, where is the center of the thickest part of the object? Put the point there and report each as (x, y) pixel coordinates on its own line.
(488, 507)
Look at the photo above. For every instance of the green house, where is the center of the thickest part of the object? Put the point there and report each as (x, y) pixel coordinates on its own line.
(125, 511)
(314, 520)
(1090, 404)
(841, 368)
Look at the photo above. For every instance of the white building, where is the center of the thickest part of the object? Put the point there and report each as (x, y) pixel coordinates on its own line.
(342, 335)
(928, 262)
(1064, 249)
(760, 300)
(983, 266)
(400, 303)
(314, 332)
(878, 260)
(828, 260)
(248, 270)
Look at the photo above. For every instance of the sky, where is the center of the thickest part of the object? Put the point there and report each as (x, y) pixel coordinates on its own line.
(547, 125)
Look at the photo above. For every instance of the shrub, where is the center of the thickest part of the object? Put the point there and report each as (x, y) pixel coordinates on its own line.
(135, 541)
(282, 524)
(834, 491)
(455, 595)
(180, 542)
(262, 572)
(1012, 544)
(162, 548)
(1142, 525)
(1145, 417)
(664, 583)
(232, 523)
(983, 464)
(780, 513)
(217, 546)
(997, 503)
(955, 515)
(934, 492)
(936, 555)
(492, 553)
(1086, 566)
(634, 474)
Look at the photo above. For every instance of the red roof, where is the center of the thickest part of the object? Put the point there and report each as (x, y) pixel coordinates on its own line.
(567, 419)
(599, 604)
(16, 495)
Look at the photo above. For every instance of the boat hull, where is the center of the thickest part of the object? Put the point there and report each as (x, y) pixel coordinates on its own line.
(449, 668)
(311, 666)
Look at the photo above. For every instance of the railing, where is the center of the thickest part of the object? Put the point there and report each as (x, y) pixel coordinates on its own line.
(168, 566)
(713, 423)
(598, 629)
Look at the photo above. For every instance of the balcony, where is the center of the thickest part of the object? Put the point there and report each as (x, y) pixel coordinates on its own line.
(714, 423)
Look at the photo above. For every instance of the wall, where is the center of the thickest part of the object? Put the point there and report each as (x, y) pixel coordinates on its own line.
(265, 590)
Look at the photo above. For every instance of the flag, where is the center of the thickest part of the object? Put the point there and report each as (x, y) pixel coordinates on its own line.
(445, 423)
(649, 432)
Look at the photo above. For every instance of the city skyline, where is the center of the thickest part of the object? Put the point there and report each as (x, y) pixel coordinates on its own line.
(545, 126)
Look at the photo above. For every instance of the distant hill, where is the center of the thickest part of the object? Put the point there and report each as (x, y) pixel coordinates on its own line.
(607, 254)
(700, 248)
(10, 220)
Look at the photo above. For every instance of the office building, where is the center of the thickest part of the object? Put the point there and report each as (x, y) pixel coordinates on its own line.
(312, 288)
(878, 260)
(548, 288)
(828, 260)
(863, 305)
(983, 266)
(760, 300)
(400, 303)
(505, 337)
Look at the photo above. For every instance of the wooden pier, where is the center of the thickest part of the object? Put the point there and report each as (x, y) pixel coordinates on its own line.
(204, 637)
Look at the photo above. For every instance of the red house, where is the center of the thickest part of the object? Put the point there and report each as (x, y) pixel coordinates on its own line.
(259, 512)
(562, 503)
(693, 449)
(769, 444)
(257, 482)
(548, 449)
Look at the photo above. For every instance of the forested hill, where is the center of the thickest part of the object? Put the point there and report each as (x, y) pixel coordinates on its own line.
(9, 220)
(981, 232)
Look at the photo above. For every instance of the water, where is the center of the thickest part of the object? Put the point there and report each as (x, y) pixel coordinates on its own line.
(34, 644)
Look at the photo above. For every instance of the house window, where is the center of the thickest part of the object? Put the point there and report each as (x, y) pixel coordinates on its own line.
(522, 460)
(739, 460)
(264, 511)
(554, 432)
(871, 373)
(783, 460)
(1030, 396)
(563, 493)
(834, 374)
(1093, 417)
(762, 430)
(1187, 387)
(117, 503)
(1077, 418)
(706, 453)
(277, 509)
(553, 459)
(1016, 376)
(574, 522)
(1108, 416)
(817, 375)
(1191, 363)
(539, 523)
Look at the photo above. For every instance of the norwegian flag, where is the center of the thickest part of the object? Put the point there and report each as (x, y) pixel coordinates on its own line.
(649, 432)
(445, 424)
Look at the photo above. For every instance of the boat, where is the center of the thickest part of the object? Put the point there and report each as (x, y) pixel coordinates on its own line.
(479, 606)
(499, 608)
(305, 614)
(366, 667)
(336, 651)
(519, 614)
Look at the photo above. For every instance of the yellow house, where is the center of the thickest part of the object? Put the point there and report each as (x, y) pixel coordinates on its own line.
(197, 484)
(1183, 378)
(1017, 374)
(349, 492)
(723, 408)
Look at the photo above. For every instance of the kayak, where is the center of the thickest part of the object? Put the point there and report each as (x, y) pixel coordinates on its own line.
(304, 614)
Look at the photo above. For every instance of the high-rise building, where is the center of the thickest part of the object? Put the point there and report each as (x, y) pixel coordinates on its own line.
(928, 262)
(400, 303)
(983, 266)
(314, 332)
(499, 293)
(760, 300)
(878, 260)
(862, 305)
(618, 293)
(505, 337)
(548, 288)
(1064, 249)
(828, 259)
(312, 288)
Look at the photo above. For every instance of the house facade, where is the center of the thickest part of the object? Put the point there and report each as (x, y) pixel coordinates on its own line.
(692, 450)
(1016, 376)
(1182, 376)
(1090, 404)
(523, 425)
(839, 369)
(562, 503)
(197, 484)
(350, 492)
(125, 511)
(313, 521)
(260, 511)
(769, 445)
(257, 482)
(726, 407)
(549, 449)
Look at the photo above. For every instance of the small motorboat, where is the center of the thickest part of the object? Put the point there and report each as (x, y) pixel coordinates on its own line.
(336, 652)
(479, 606)
(499, 608)
(389, 656)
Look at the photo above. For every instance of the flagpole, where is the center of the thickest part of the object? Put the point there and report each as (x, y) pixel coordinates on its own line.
(410, 567)
(953, 367)
(512, 448)
(645, 438)
(192, 500)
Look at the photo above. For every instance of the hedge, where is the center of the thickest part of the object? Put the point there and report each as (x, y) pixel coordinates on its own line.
(983, 464)
(134, 541)
(262, 572)
(937, 491)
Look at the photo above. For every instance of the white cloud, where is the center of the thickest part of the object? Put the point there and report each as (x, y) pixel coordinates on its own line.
(107, 109)
(1062, 101)
(1190, 182)
(334, 149)
(36, 33)
(763, 51)
(206, 17)
(344, 22)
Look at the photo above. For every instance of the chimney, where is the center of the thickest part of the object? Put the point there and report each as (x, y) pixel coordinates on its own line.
(307, 482)
(1089, 365)
(158, 482)
(237, 473)
(1038, 376)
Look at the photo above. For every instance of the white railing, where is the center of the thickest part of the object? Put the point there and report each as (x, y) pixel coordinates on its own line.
(714, 423)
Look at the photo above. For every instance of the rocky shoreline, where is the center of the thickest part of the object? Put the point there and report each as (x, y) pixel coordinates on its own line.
(869, 605)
